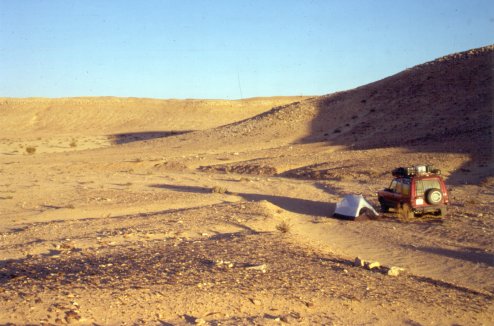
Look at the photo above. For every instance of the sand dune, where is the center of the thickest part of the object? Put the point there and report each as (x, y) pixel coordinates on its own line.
(113, 115)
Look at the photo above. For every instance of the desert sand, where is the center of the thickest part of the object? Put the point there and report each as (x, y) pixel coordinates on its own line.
(175, 212)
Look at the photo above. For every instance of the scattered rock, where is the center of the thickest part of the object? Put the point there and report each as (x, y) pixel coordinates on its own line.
(371, 265)
(359, 262)
(290, 318)
(263, 267)
(69, 245)
(256, 302)
(224, 264)
(72, 316)
(200, 321)
(309, 304)
(395, 271)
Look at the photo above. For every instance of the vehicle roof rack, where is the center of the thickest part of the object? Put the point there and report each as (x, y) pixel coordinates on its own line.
(414, 170)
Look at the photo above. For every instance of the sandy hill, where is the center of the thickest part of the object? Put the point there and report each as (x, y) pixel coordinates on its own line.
(446, 99)
(113, 115)
(442, 106)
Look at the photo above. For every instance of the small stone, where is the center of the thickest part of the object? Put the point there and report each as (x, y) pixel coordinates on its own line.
(71, 316)
(66, 245)
(309, 304)
(371, 265)
(289, 318)
(263, 267)
(256, 302)
(395, 271)
(200, 321)
(359, 262)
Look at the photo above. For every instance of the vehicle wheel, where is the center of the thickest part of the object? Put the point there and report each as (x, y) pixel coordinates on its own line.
(434, 196)
(406, 211)
(384, 207)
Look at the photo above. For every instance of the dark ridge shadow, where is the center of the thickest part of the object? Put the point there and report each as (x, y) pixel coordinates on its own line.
(164, 323)
(246, 229)
(445, 106)
(319, 171)
(52, 206)
(447, 285)
(469, 254)
(333, 190)
(190, 319)
(229, 236)
(109, 217)
(296, 205)
(131, 137)
(192, 189)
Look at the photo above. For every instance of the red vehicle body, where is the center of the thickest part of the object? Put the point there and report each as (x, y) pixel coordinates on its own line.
(416, 190)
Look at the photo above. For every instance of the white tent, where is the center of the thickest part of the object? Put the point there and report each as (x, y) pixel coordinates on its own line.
(351, 206)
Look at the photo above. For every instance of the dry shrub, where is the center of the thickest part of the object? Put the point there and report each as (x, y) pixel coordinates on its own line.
(487, 182)
(405, 212)
(219, 190)
(30, 149)
(284, 227)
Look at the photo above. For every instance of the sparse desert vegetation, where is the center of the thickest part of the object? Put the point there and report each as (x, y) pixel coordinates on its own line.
(284, 226)
(30, 149)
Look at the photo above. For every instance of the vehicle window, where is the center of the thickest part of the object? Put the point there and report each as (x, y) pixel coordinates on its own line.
(398, 187)
(405, 188)
(423, 185)
(392, 187)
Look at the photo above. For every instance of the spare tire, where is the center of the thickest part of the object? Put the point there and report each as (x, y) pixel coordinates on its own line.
(434, 196)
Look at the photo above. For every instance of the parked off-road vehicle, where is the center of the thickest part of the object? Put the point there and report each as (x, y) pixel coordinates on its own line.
(415, 190)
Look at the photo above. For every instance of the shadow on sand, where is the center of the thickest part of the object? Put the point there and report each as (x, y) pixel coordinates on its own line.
(469, 254)
(295, 205)
(140, 136)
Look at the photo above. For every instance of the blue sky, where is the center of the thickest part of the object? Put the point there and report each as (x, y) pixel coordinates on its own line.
(225, 49)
